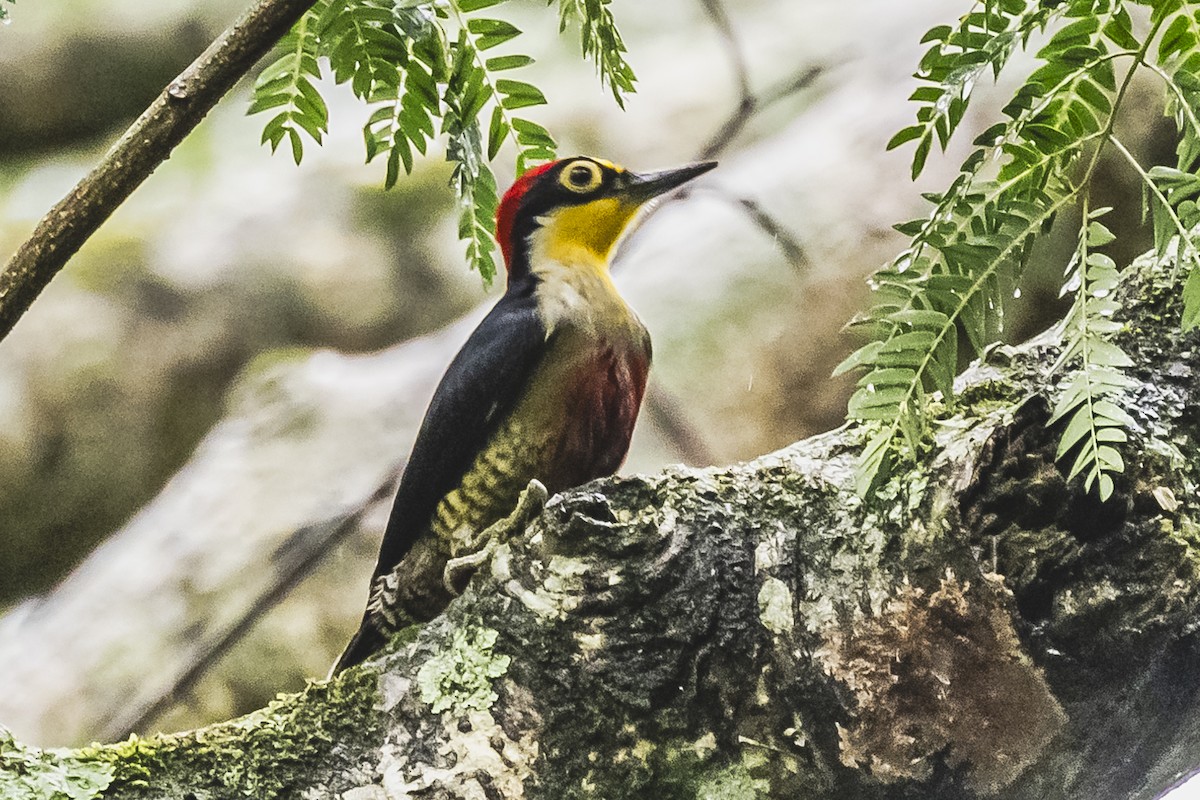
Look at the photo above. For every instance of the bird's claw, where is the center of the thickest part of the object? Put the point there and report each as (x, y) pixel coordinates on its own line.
(478, 549)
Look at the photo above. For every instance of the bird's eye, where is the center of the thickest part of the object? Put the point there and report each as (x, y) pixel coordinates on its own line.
(582, 177)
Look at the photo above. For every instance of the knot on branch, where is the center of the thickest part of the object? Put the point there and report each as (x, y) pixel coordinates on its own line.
(942, 675)
(630, 581)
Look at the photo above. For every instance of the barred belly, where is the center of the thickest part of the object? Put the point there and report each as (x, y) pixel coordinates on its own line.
(490, 488)
(572, 427)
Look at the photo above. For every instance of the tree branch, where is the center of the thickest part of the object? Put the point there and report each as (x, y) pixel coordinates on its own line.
(982, 628)
(147, 143)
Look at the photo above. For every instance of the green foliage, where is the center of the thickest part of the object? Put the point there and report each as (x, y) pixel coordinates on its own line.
(964, 260)
(421, 69)
(1089, 403)
(27, 773)
(4, 11)
(600, 41)
(287, 85)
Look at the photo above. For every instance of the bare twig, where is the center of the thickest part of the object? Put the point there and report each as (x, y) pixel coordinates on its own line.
(749, 102)
(752, 104)
(147, 143)
(769, 225)
(741, 73)
(671, 417)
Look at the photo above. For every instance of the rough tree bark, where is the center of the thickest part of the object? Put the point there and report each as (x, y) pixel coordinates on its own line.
(982, 628)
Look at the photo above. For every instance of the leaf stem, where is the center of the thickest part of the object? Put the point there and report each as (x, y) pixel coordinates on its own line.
(1084, 339)
(1171, 85)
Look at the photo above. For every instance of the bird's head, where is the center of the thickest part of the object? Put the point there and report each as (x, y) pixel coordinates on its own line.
(574, 210)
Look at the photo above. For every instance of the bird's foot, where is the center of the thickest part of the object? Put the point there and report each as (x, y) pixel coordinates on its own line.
(478, 548)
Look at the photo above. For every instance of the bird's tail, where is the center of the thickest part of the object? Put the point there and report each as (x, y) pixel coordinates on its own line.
(366, 642)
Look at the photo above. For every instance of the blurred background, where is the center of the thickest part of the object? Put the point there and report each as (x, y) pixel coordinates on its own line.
(202, 418)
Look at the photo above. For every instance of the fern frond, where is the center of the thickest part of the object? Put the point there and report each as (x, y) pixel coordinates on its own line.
(287, 85)
(1090, 400)
(973, 278)
(404, 111)
(397, 58)
(600, 41)
(508, 95)
(962, 264)
(984, 38)
(465, 95)
(364, 45)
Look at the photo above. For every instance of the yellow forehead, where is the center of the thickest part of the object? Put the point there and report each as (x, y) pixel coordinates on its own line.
(610, 165)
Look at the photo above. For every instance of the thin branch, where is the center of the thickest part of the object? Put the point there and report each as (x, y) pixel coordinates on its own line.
(764, 221)
(749, 102)
(752, 104)
(672, 419)
(147, 143)
(720, 18)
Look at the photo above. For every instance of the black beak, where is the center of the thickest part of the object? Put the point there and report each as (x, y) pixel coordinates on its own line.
(646, 185)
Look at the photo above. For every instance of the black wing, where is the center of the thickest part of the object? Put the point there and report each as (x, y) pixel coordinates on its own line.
(479, 389)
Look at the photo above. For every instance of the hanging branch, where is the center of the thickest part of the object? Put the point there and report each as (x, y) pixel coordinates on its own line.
(147, 143)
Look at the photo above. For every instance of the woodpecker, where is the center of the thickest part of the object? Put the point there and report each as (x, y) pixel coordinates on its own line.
(544, 394)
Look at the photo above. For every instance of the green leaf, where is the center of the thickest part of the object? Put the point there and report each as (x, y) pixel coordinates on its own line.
(917, 341)
(880, 378)
(1109, 459)
(518, 94)
(492, 32)
(1174, 39)
(921, 318)
(1120, 31)
(1191, 301)
(1079, 426)
(297, 145)
(263, 102)
(501, 63)
(1098, 235)
(936, 34)
(905, 135)
(872, 463)
(920, 155)
(497, 130)
(863, 356)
